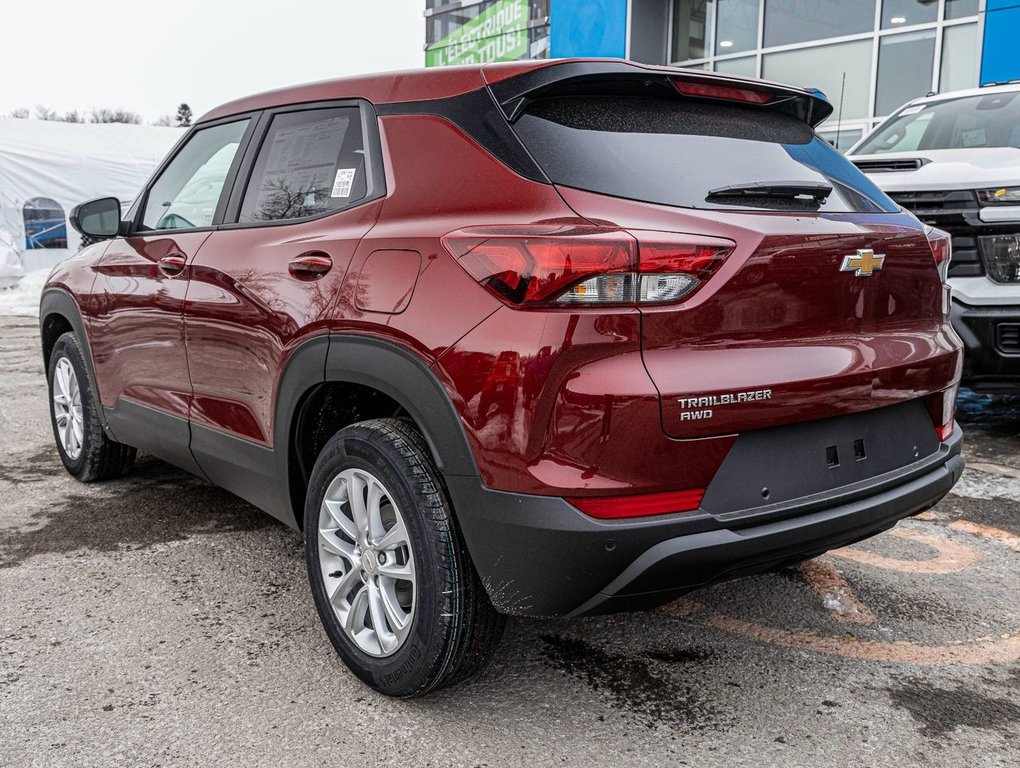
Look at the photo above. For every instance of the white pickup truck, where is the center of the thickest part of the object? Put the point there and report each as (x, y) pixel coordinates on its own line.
(953, 159)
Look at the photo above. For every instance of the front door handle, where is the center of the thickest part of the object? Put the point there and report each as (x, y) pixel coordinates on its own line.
(310, 265)
(172, 264)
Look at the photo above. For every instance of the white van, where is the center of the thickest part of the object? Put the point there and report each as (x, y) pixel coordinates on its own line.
(953, 159)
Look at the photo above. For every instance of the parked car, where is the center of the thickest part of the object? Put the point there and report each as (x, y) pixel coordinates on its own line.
(953, 159)
(541, 339)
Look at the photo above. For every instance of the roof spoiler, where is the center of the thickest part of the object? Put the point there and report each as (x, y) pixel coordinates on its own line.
(514, 94)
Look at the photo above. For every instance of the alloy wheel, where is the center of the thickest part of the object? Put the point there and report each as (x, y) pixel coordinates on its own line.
(366, 562)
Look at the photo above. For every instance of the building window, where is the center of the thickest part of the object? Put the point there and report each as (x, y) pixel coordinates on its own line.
(745, 66)
(904, 69)
(824, 67)
(841, 139)
(690, 29)
(958, 9)
(903, 13)
(736, 26)
(45, 225)
(797, 21)
(959, 62)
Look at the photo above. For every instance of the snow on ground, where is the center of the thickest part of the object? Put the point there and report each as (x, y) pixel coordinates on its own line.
(23, 299)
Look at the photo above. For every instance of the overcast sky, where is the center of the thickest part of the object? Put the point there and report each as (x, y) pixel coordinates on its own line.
(148, 57)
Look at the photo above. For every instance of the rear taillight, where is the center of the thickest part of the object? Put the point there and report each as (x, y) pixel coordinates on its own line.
(571, 265)
(643, 505)
(946, 430)
(941, 250)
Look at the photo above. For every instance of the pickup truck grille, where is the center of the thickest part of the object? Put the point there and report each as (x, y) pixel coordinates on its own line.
(949, 210)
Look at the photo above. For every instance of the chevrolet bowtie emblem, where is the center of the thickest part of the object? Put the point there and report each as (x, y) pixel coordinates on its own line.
(864, 263)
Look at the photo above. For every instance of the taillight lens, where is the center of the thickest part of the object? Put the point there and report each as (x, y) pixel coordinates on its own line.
(550, 266)
(728, 92)
(941, 250)
(643, 505)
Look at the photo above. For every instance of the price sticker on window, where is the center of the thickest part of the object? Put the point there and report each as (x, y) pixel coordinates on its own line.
(343, 182)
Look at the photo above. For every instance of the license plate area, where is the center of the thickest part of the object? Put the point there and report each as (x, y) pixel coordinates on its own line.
(771, 466)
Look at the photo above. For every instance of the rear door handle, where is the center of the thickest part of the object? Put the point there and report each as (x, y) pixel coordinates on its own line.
(172, 264)
(310, 266)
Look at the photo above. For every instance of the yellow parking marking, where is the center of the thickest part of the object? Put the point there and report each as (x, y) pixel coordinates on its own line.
(996, 534)
(950, 557)
(1003, 651)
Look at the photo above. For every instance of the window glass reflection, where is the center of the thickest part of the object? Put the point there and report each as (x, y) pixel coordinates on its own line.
(797, 21)
(904, 69)
(823, 67)
(959, 58)
(736, 26)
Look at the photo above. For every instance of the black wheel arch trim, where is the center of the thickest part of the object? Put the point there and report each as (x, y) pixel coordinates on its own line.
(381, 365)
(58, 301)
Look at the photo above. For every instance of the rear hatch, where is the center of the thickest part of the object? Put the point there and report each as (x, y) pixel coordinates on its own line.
(828, 302)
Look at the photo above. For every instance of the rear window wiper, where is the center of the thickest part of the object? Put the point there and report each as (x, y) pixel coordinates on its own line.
(786, 189)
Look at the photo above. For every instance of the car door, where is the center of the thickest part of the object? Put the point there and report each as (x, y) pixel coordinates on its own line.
(138, 330)
(308, 191)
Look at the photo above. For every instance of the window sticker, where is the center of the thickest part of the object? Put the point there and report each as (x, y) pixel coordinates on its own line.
(343, 182)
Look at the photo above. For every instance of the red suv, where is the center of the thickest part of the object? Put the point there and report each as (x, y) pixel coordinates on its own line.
(543, 339)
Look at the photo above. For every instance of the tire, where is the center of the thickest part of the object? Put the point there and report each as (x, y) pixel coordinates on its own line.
(87, 453)
(450, 628)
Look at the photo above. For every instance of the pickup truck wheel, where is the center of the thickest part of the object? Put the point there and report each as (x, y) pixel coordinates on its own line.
(87, 453)
(391, 579)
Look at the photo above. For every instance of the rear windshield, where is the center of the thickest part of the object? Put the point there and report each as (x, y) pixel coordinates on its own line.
(986, 120)
(677, 152)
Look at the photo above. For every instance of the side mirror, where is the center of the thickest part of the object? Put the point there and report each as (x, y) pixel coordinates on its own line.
(97, 218)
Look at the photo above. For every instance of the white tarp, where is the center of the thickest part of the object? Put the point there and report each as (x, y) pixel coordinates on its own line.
(68, 163)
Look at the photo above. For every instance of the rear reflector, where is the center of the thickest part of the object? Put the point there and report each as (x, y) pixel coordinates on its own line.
(622, 507)
(729, 92)
(946, 430)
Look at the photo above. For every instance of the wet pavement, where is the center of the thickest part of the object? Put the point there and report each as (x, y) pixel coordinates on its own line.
(157, 620)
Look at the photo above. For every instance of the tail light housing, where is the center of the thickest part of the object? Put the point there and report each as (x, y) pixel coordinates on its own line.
(941, 250)
(532, 266)
(941, 245)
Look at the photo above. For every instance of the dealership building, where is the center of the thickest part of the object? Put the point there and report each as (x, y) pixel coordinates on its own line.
(867, 56)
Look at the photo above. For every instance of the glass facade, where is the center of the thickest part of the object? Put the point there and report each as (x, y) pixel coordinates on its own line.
(869, 55)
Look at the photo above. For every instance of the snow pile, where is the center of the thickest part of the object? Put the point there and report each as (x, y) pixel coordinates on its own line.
(23, 299)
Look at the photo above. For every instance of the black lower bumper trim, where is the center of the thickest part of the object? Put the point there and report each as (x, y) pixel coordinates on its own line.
(690, 562)
(539, 556)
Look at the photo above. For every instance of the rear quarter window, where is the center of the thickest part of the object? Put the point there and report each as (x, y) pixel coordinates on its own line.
(675, 152)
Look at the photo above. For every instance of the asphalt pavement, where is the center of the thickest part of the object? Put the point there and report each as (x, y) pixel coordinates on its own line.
(157, 620)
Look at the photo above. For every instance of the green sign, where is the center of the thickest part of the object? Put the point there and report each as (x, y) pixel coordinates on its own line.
(499, 33)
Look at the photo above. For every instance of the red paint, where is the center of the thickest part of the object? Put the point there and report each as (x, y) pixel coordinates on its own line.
(387, 281)
(569, 401)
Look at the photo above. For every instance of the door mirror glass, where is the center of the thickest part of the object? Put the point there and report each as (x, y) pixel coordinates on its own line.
(97, 218)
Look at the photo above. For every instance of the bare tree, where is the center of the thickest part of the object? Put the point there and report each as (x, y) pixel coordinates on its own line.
(21, 113)
(74, 116)
(114, 116)
(164, 121)
(45, 113)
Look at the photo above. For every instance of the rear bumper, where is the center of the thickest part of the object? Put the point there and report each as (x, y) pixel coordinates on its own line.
(991, 344)
(539, 556)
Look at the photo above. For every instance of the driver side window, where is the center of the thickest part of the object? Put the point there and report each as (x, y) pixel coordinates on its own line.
(186, 194)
